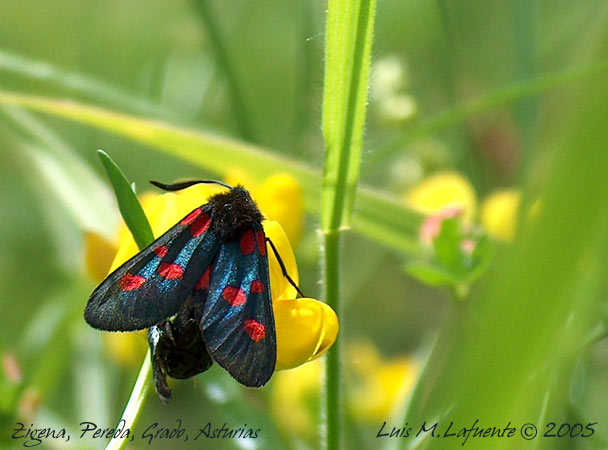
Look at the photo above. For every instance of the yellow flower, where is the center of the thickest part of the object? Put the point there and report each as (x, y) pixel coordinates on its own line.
(381, 386)
(98, 254)
(499, 213)
(294, 399)
(305, 327)
(442, 191)
(377, 390)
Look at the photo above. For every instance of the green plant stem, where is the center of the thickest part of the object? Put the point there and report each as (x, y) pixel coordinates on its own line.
(348, 45)
(135, 404)
(224, 64)
(333, 369)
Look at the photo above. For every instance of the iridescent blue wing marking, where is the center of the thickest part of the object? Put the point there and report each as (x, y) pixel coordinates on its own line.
(237, 322)
(153, 285)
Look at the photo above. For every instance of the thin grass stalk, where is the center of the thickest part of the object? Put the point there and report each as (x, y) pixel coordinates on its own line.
(347, 54)
(225, 65)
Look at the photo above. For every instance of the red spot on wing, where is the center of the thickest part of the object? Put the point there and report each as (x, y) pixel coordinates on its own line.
(257, 286)
(200, 225)
(170, 271)
(255, 330)
(131, 282)
(259, 235)
(190, 217)
(160, 251)
(203, 283)
(248, 242)
(234, 295)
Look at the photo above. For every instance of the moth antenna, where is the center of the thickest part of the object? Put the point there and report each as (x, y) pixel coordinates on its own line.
(283, 269)
(186, 184)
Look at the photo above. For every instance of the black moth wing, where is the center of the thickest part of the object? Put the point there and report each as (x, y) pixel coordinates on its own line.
(155, 283)
(237, 321)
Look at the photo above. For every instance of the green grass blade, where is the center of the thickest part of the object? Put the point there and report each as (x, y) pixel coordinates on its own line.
(378, 215)
(525, 24)
(89, 87)
(348, 48)
(222, 58)
(69, 196)
(135, 218)
(129, 206)
(465, 110)
(521, 335)
(350, 26)
(61, 172)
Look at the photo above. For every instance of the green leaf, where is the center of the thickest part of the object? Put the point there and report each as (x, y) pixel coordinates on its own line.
(129, 206)
(431, 274)
(449, 264)
(447, 245)
(480, 259)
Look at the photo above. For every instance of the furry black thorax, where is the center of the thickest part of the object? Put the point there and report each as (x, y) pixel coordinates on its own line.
(233, 212)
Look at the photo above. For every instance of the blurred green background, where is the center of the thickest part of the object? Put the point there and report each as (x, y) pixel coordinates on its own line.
(507, 94)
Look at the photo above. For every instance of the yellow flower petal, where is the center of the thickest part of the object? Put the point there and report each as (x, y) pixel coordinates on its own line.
(280, 198)
(306, 328)
(499, 213)
(280, 287)
(236, 176)
(126, 349)
(294, 400)
(441, 191)
(363, 357)
(329, 329)
(98, 255)
(383, 390)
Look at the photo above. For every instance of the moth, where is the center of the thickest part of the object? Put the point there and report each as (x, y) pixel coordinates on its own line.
(203, 291)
